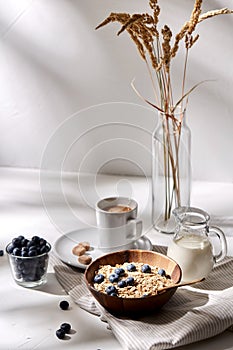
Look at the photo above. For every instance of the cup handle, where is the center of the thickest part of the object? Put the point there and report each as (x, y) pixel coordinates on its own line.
(221, 236)
(137, 229)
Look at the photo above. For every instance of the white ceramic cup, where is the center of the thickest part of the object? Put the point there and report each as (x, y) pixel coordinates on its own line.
(117, 228)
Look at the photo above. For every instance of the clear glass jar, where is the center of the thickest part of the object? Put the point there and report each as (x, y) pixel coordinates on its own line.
(191, 246)
(29, 271)
(171, 169)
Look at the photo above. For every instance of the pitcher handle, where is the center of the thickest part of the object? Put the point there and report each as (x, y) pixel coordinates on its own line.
(221, 236)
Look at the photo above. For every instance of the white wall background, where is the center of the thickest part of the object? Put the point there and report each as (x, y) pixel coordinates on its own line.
(65, 97)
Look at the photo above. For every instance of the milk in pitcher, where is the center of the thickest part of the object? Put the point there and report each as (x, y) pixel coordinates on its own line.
(194, 255)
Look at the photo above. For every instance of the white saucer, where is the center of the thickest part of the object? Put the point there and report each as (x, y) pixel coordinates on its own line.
(64, 245)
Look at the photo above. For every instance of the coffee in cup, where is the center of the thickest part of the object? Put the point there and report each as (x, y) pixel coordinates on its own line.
(118, 209)
(117, 223)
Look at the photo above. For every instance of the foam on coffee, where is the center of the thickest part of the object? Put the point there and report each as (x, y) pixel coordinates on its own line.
(118, 209)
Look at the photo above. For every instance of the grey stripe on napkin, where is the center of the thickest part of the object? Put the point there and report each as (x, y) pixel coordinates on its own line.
(192, 314)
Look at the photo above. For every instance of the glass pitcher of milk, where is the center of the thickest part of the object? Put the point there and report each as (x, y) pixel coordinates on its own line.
(191, 247)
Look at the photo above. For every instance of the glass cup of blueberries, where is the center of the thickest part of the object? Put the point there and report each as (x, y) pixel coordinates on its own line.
(28, 260)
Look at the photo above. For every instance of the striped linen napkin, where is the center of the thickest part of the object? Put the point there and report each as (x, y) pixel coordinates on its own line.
(192, 314)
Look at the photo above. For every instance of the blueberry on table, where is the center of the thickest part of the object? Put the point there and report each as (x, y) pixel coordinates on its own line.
(60, 333)
(113, 277)
(119, 271)
(146, 268)
(129, 281)
(66, 327)
(110, 290)
(99, 278)
(1, 252)
(64, 305)
(122, 284)
(131, 267)
(161, 272)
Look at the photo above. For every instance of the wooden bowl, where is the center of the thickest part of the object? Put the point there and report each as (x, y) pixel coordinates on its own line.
(133, 306)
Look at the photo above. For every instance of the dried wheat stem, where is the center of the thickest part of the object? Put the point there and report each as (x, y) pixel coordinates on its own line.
(114, 17)
(134, 18)
(194, 16)
(210, 14)
(167, 34)
(178, 38)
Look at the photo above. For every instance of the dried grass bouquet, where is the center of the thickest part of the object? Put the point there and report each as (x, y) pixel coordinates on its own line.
(158, 48)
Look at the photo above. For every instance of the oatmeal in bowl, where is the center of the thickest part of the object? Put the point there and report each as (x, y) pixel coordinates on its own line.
(128, 282)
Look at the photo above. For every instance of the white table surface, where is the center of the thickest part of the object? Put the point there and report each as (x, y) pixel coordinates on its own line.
(51, 205)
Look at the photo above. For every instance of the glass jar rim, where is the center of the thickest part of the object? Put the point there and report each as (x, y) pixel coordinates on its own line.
(28, 257)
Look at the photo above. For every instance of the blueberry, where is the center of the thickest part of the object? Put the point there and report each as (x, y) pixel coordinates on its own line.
(146, 268)
(60, 333)
(120, 271)
(145, 295)
(16, 242)
(19, 261)
(42, 260)
(32, 252)
(10, 248)
(99, 278)
(30, 243)
(47, 247)
(122, 284)
(19, 268)
(18, 275)
(24, 249)
(129, 281)
(32, 247)
(162, 272)
(113, 277)
(36, 239)
(64, 305)
(26, 270)
(131, 267)
(42, 250)
(1, 252)
(20, 237)
(24, 242)
(24, 253)
(16, 251)
(42, 242)
(66, 327)
(110, 289)
(30, 278)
